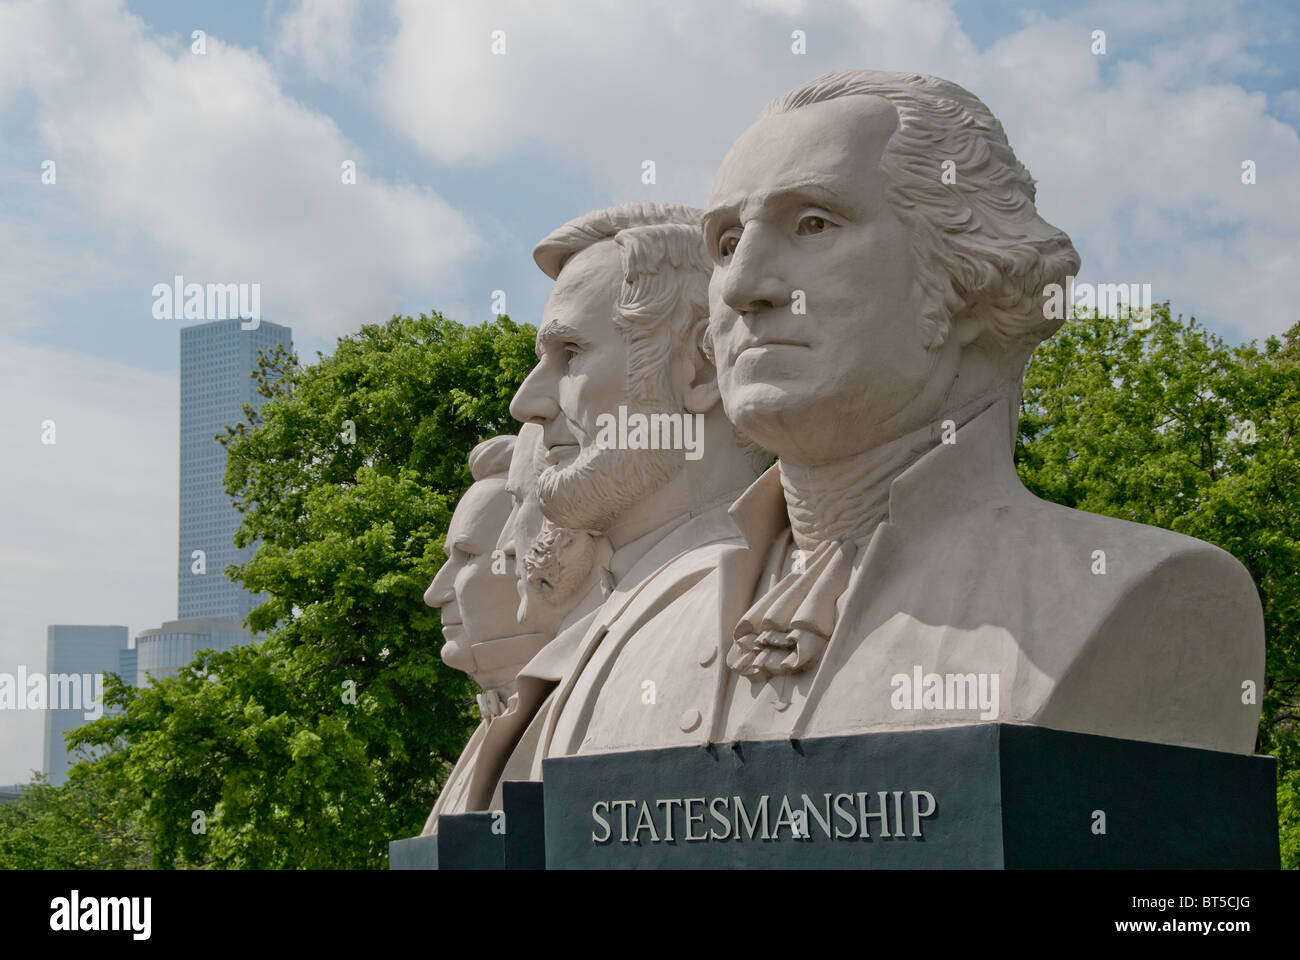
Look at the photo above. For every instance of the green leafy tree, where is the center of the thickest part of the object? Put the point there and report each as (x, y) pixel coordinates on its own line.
(1158, 421)
(86, 823)
(327, 739)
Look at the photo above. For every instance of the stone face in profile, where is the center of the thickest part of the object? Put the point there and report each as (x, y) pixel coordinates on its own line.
(477, 600)
(870, 324)
(499, 610)
(622, 337)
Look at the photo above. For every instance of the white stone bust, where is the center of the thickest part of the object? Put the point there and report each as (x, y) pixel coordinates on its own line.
(918, 296)
(622, 338)
(508, 611)
(478, 603)
(870, 324)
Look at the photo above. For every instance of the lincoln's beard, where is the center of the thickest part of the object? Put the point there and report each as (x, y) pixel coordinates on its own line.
(593, 492)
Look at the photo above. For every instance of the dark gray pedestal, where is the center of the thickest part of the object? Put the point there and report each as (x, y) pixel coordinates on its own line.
(983, 796)
(512, 838)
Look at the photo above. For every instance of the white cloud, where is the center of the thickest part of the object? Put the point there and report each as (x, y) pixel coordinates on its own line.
(608, 86)
(788, 7)
(1143, 167)
(1138, 154)
(206, 168)
(90, 527)
(319, 33)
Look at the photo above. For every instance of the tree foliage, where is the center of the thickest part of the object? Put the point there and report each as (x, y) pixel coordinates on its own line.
(86, 823)
(327, 739)
(1158, 421)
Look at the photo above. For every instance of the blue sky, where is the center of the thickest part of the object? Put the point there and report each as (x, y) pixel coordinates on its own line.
(225, 167)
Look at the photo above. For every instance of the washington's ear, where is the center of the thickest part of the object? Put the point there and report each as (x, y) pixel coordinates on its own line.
(936, 327)
(699, 386)
(967, 324)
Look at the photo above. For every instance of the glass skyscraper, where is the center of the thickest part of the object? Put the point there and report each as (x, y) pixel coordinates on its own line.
(126, 665)
(81, 651)
(216, 360)
(163, 651)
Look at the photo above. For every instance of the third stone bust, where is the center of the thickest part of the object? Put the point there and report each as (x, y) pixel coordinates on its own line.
(870, 320)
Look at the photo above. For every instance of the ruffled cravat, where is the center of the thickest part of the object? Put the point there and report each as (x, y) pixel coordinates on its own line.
(788, 627)
(833, 512)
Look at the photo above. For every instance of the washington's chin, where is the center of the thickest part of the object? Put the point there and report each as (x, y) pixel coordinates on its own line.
(802, 425)
(769, 411)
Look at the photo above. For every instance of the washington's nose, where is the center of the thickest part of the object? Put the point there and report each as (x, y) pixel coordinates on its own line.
(751, 281)
(534, 401)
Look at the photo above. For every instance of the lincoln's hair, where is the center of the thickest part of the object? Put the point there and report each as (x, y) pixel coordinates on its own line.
(979, 243)
(663, 301)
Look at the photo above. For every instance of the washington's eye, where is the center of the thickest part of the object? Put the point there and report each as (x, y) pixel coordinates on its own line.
(727, 244)
(810, 225)
(570, 350)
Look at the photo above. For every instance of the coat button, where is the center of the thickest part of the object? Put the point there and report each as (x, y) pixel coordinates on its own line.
(690, 720)
(709, 656)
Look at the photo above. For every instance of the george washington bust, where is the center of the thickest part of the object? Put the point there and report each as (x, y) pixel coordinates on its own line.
(870, 319)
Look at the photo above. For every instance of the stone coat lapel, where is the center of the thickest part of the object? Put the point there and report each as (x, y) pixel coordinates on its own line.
(665, 572)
